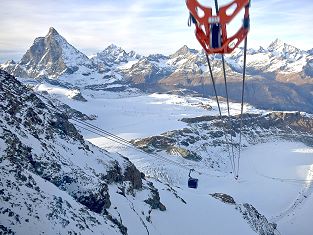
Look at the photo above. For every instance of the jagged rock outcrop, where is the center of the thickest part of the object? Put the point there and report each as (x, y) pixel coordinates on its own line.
(257, 222)
(204, 140)
(50, 56)
(154, 199)
(51, 176)
(293, 126)
(146, 72)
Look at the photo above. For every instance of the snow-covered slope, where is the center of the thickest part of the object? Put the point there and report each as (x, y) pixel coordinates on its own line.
(54, 182)
(51, 176)
(276, 158)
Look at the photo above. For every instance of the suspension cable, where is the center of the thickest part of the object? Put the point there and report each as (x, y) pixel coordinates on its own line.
(126, 143)
(232, 155)
(242, 99)
(220, 113)
(96, 130)
(229, 123)
(216, 6)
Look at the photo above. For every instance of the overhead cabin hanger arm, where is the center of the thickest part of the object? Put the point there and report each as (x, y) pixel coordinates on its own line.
(211, 30)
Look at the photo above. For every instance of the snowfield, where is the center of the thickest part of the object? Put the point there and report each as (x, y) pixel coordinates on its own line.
(135, 114)
(276, 177)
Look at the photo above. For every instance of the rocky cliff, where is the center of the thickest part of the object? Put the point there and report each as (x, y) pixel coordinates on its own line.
(52, 181)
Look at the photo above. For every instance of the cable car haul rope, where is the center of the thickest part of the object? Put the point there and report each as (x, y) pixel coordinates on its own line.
(211, 32)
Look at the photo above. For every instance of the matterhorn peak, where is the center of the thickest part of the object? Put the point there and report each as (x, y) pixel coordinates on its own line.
(183, 50)
(113, 46)
(52, 56)
(52, 31)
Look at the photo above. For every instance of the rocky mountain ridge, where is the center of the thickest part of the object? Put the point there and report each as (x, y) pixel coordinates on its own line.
(51, 176)
(53, 56)
(203, 140)
(282, 74)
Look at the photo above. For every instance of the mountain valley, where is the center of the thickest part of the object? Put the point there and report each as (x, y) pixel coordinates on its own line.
(104, 145)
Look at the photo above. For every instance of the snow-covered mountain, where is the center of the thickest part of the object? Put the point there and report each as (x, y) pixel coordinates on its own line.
(283, 62)
(279, 61)
(282, 74)
(114, 56)
(53, 56)
(50, 56)
(52, 176)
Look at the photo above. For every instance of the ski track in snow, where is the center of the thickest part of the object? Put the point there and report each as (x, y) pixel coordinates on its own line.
(287, 173)
(300, 200)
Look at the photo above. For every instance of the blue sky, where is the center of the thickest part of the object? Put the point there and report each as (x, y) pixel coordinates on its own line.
(146, 26)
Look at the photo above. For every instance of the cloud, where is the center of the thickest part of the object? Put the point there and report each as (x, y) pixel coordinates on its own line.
(154, 26)
(290, 21)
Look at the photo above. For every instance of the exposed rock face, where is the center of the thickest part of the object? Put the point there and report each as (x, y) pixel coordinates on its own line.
(50, 56)
(114, 55)
(204, 140)
(147, 72)
(154, 199)
(257, 222)
(133, 175)
(76, 95)
(288, 125)
(157, 143)
(308, 69)
(224, 198)
(50, 175)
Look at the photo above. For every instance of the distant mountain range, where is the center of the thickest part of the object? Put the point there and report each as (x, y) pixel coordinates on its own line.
(278, 77)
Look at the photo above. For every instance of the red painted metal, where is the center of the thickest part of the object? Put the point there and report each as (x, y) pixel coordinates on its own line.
(204, 17)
